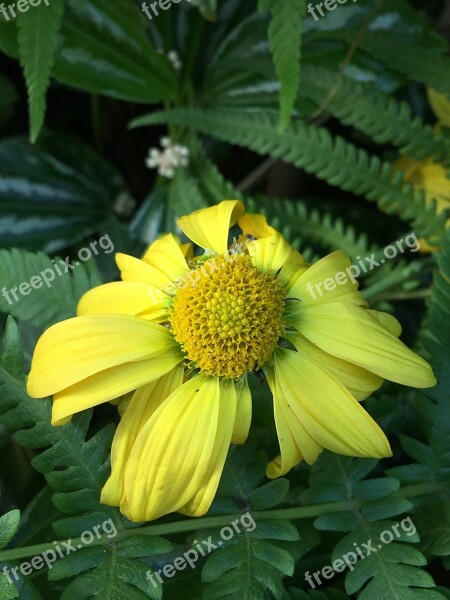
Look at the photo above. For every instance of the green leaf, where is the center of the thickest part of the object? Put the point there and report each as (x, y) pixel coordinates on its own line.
(380, 117)
(38, 31)
(253, 561)
(419, 63)
(76, 466)
(104, 48)
(53, 296)
(208, 8)
(433, 522)
(9, 524)
(388, 569)
(314, 149)
(285, 35)
(379, 562)
(46, 202)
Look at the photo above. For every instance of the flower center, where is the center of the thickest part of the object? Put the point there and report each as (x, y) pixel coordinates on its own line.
(227, 316)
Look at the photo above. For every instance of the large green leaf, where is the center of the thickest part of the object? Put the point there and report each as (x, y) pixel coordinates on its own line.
(38, 31)
(48, 204)
(103, 48)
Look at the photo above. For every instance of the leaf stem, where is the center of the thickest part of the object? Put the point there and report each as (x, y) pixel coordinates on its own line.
(292, 513)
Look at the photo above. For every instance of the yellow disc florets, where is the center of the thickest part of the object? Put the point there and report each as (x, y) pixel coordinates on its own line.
(227, 316)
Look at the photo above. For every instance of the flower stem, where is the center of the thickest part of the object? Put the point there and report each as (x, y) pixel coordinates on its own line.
(188, 525)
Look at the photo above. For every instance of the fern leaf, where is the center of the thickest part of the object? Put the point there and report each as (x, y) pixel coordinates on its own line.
(252, 563)
(38, 30)
(385, 566)
(314, 149)
(377, 115)
(76, 468)
(285, 34)
(54, 298)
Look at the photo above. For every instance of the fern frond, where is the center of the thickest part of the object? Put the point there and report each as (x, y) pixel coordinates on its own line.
(377, 115)
(385, 566)
(253, 562)
(285, 34)
(314, 149)
(75, 468)
(56, 297)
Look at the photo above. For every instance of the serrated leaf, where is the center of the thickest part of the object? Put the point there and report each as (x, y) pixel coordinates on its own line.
(109, 566)
(285, 35)
(55, 296)
(9, 524)
(38, 31)
(314, 149)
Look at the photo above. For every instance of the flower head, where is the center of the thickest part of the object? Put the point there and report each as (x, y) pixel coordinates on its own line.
(183, 330)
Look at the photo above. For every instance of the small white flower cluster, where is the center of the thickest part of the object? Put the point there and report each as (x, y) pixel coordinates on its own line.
(174, 58)
(168, 159)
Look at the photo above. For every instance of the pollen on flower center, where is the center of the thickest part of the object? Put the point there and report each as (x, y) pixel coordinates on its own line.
(227, 316)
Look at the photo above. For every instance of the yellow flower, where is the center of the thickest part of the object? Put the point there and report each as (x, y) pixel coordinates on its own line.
(432, 178)
(440, 105)
(184, 332)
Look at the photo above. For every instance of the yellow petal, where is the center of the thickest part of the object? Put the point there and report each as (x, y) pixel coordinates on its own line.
(202, 500)
(269, 254)
(359, 382)
(440, 103)
(112, 383)
(209, 227)
(125, 297)
(166, 255)
(255, 225)
(171, 456)
(188, 251)
(291, 270)
(326, 409)
(387, 320)
(75, 349)
(144, 403)
(351, 333)
(135, 269)
(244, 412)
(317, 284)
(295, 442)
